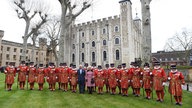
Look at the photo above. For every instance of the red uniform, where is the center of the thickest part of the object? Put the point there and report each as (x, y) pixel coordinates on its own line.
(159, 77)
(124, 81)
(176, 80)
(112, 79)
(63, 76)
(31, 76)
(51, 76)
(99, 80)
(40, 77)
(22, 76)
(118, 77)
(136, 81)
(10, 74)
(147, 81)
(130, 76)
(106, 82)
(73, 79)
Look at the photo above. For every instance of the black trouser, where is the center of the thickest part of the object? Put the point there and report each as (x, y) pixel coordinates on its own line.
(90, 90)
(81, 86)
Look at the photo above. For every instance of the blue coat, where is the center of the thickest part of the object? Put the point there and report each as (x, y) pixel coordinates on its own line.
(81, 77)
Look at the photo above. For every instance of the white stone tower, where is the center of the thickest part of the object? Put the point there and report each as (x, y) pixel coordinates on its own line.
(126, 31)
(146, 33)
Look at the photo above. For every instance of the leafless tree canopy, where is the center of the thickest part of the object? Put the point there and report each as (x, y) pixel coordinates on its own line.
(180, 41)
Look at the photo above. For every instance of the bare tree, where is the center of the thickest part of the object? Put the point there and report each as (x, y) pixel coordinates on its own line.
(52, 31)
(70, 10)
(27, 10)
(180, 42)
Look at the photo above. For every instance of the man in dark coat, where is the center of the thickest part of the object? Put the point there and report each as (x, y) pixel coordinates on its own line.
(81, 79)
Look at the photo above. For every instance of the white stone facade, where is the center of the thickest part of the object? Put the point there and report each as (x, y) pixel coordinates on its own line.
(109, 40)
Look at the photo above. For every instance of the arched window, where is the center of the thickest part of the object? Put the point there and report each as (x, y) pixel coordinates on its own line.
(73, 46)
(104, 42)
(117, 41)
(104, 31)
(104, 55)
(73, 58)
(93, 56)
(117, 54)
(83, 56)
(83, 45)
(83, 34)
(93, 44)
(116, 29)
(93, 32)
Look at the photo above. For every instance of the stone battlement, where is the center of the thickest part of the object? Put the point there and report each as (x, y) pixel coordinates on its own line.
(93, 22)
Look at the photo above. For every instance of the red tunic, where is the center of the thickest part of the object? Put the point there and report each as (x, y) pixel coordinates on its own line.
(124, 78)
(118, 77)
(112, 78)
(63, 74)
(105, 73)
(10, 74)
(130, 76)
(176, 79)
(147, 78)
(99, 76)
(22, 73)
(136, 78)
(31, 74)
(159, 76)
(73, 77)
(51, 75)
(40, 75)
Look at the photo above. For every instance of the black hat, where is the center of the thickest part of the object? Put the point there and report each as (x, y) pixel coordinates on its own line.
(119, 66)
(157, 63)
(40, 65)
(11, 63)
(99, 67)
(146, 65)
(22, 62)
(132, 63)
(31, 63)
(173, 66)
(74, 66)
(123, 64)
(112, 64)
(93, 64)
(60, 64)
(106, 65)
(71, 65)
(86, 64)
(51, 64)
(64, 64)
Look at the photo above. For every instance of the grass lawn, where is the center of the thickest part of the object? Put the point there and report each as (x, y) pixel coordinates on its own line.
(58, 99)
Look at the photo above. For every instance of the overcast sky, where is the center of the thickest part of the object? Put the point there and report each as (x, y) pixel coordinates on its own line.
(167, 17)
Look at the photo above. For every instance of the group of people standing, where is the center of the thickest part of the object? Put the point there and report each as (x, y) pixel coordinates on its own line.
(95, 78)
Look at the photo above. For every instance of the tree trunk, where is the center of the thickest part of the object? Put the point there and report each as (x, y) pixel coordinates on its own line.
(25, 38)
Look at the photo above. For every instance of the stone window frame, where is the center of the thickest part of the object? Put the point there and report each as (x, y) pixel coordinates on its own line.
(73, 57)
(117, 54)
(117, 42)
(104, 31)
(93, 56)
(93, 32)
(83, 45)
(104, 55)
(82, 57)
(93, 43)
(104, 42)
(73, 46)
(116, 28)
